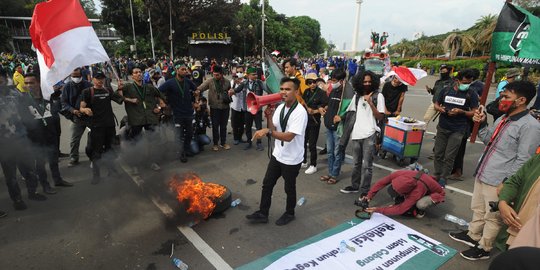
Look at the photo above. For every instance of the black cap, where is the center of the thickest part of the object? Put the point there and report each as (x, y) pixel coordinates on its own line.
(99, 75)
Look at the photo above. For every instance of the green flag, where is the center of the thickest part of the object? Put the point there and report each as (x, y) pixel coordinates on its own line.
(273, 74)
(516, 38)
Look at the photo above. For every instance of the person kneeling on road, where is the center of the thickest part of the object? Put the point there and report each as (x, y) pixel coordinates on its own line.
(412, 191)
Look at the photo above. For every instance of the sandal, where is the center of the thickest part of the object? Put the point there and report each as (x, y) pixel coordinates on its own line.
(331, 181)
(325, 178)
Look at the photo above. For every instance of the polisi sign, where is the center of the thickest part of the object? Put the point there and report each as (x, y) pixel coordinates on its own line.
(521, 33)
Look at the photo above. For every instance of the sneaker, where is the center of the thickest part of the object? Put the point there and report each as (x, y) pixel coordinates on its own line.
(3, 214)
(49, 190)
(73, 163)
(311, 170)
(63, 183)
(284, 219)
(349, 189)
(63, 155)
(225, 146)
(464, 238)
(215, 148)
(248, 146)
(236, 142)
(257, 217)
(154, 166)
(304, 165)
(259, 147)
(19, 205)
(442, 182)
(37, 197)
(420, 213)
(323, 151)
(474, 254)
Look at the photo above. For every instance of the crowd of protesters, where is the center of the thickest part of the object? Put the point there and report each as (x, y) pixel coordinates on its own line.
(192, 95)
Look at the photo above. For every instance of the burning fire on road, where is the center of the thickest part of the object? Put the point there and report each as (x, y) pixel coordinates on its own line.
(202, 199)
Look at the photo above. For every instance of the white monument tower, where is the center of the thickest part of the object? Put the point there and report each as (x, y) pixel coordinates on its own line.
(356, 26)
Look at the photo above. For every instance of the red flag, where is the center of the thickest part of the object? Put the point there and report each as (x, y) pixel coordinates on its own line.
(64, 40)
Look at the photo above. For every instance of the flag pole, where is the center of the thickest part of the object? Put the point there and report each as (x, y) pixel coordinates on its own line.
(483, 99)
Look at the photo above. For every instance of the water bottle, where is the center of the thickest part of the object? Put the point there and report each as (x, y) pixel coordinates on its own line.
(179, 264)
(301, 201)
(342, 246)
(456, 220)
(235, 202)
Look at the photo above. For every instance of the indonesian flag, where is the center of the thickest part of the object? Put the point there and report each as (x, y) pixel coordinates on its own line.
(64, 40)
(408, 76)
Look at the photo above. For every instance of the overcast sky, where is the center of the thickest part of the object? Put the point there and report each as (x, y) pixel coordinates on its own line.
(401, 19)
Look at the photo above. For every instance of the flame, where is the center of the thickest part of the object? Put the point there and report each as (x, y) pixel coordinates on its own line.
(199, 196)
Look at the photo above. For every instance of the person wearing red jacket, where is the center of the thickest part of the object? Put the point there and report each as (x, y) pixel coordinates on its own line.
(410, 190)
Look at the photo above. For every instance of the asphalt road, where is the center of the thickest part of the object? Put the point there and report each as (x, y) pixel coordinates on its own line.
(131, 221)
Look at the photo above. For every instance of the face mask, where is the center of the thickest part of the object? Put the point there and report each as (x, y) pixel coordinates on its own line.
(464, 87)
(506, 106)
(445, 75)
(240, 75)
(336, 85)
(76, 79)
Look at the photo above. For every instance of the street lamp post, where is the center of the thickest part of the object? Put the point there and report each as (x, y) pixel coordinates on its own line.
(151, 35)
(244, 34)
(133, 27)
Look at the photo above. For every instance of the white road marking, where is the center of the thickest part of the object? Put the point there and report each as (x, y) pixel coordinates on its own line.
(210, 254)
(393, 170)
(433, 133)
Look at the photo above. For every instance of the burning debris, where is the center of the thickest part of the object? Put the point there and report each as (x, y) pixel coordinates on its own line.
(203, 199)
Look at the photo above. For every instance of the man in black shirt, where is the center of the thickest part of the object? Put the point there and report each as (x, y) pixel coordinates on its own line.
(394, 95)
(96, 102)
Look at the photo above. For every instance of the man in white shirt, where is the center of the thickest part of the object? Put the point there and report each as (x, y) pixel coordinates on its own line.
(368, 104)
(287, 126)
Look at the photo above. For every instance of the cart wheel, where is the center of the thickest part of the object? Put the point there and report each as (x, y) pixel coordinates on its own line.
(382, 154)
(401, 162)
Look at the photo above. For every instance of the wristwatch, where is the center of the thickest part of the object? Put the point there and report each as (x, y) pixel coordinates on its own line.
(269, 134)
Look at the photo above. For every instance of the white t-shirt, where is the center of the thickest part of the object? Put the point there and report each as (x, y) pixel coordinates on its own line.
(291, 153)
(365, 124)
(236, 99)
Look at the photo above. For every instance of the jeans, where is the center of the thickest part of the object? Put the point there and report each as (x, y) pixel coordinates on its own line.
(310, 143)
(220, 119)
(77, 130)
(183, 129)
(363, 151)
(335, 157)
(237, 124)
(447, 145)
(101, 141)
(289, 173)
(249, 119)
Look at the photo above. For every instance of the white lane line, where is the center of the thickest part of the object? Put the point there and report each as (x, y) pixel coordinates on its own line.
(464, 192)
(210, 254)
(433, 133)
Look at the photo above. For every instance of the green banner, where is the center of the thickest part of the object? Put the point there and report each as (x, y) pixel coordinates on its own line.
(273, 74)
(516, 38)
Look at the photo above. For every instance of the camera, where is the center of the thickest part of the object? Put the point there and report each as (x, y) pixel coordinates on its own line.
(362, 203)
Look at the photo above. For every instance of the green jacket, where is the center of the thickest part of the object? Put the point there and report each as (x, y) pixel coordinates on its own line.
(142, 113)
(515, 190)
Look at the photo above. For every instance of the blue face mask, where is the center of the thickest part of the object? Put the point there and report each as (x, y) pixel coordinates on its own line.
(464, 87)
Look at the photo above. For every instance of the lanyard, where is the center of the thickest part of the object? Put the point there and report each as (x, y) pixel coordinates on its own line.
(498, 130)
(283, 120)
(142, 94)
(180, 87)
(311, 97)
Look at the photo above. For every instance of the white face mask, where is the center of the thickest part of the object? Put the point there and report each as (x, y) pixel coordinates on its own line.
(76, 79)
(336, 85)
(240, 75)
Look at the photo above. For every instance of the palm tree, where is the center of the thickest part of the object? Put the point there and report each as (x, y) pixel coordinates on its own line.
(484, 36)
(469, 44)
(453, 43)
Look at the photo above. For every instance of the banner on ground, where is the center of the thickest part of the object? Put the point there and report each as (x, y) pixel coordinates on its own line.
(516, 38)
(378, 243)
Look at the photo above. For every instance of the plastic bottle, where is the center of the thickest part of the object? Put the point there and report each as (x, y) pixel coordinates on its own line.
(342, 246)
(235, 202)
(179, 264)
(301, 201)
(456, 220)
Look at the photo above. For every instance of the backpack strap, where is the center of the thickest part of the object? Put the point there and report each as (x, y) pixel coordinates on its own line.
(417, 177)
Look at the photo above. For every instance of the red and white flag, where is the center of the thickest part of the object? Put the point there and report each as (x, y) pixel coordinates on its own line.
(64, 39)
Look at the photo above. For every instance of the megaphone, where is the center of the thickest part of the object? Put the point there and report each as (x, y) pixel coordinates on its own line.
(255, 102)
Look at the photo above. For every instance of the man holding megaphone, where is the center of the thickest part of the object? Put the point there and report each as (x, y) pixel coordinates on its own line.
(287, 126)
